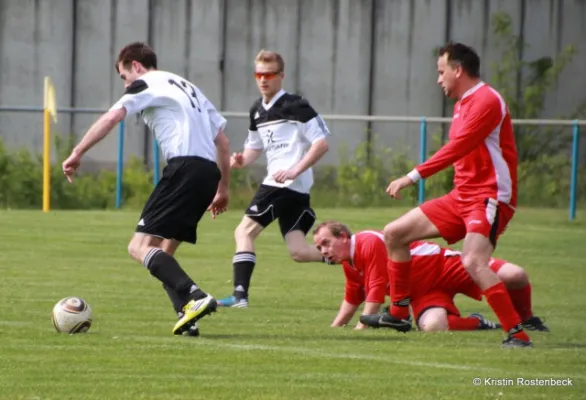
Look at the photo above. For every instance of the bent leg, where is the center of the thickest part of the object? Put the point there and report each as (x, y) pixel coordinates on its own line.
(146, 249)
(300, 250)
(519, 288)
(415, 225)
(476, 254)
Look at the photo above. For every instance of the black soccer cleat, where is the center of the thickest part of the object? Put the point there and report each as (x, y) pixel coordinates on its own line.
(484, 324)
(386, 320)
(535, 324)
(193, 331)
(511, 342)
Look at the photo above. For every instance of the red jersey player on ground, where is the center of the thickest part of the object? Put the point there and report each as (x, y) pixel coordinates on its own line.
(437, 273)
(482, 150)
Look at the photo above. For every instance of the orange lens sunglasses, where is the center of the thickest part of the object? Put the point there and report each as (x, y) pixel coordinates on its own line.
(266, 75)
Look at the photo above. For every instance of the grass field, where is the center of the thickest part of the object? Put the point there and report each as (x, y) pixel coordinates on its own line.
(280, 348)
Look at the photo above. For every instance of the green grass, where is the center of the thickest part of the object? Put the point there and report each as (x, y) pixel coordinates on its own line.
(280, 348)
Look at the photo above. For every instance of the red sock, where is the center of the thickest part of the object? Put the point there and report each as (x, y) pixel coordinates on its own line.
(521, 299)
(500, 302)
(456, 323)
(400, 283)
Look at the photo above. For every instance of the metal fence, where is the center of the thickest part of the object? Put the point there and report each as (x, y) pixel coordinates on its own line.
(423, 133)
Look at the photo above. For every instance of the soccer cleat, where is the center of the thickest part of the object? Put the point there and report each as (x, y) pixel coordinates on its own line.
(535, 324)
(386, 321)
(193, 312)
(193, 331)
(484, 323)
(233, 302)
(512, 341)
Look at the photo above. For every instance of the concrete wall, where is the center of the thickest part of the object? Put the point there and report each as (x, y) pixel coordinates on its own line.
(346, 56)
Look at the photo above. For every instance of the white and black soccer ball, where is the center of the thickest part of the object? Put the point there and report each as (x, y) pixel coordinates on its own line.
(72, 315)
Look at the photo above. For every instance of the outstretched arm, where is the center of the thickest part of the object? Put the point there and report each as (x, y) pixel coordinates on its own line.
(100, 130)
(345, 314)
(97, 132)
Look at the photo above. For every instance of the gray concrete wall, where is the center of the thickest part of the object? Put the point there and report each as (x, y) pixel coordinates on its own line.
(345, 56)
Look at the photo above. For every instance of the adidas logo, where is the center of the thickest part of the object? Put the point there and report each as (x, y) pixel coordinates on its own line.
(257, 115)
(253, 208)
(141, 222)
(239, 288)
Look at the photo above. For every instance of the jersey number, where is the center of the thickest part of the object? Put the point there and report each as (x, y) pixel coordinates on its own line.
(185, 87)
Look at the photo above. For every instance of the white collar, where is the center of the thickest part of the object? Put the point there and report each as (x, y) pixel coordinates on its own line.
(276, 97)
(473, 89)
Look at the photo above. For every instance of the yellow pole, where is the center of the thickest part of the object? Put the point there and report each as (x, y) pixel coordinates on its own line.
(46, 160)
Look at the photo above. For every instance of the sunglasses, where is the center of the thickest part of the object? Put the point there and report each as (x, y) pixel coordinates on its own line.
(266, 75)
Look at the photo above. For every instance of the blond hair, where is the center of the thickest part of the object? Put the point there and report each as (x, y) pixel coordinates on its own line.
(267, 56)
(335, 227)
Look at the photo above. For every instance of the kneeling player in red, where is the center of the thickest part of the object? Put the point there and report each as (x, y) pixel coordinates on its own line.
(437, 274)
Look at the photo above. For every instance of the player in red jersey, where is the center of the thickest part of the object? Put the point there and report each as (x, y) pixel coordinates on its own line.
(437, 273)
(478, 209)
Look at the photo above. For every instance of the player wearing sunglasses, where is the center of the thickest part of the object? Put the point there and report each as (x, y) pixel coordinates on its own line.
(294, 138)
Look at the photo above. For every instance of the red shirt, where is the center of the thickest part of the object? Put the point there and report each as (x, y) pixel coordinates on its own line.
(366, 275)
(481, 148)
(367, 278)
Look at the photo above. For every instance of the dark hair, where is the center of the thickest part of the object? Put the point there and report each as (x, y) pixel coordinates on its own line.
(335, 227)
(138, 52)
(462, 55)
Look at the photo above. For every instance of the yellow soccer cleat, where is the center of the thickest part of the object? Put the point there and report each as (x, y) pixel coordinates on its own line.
(193, 312)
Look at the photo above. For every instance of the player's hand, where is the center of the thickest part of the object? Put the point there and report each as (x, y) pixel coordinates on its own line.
(284, 175)
(220, 203)
(71, 165)
(237, 160)
(395, 187)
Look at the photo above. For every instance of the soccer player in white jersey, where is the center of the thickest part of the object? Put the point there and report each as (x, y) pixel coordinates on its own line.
(293, 137)
(191, 134)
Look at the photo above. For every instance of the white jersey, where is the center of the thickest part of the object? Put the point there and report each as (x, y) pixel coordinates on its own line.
(182, 119)
(285, 128)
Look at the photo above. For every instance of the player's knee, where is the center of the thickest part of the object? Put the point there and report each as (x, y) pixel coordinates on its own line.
(247, 230)
(513, 276)
(241, 233)
(472, 262)
(394, 235)
(134, 250)
(297, 255)
(434, 324)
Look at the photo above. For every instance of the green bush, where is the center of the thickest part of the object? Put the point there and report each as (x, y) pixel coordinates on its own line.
(359, 181)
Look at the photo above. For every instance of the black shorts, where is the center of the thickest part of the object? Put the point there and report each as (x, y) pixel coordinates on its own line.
(186, 189)
(291, 208)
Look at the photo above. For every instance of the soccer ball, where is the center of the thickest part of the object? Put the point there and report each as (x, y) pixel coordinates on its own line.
(72, 315)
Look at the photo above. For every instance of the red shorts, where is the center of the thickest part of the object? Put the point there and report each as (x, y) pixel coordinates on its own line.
(453, 280)
(455, 218)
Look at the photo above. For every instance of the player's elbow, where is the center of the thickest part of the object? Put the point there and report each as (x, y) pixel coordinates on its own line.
(320, 146)
(222, 142)
(113, 117)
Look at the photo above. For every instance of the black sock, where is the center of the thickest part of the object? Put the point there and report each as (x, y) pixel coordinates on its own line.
(243, 264)
(166, 269)
(177, 300)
